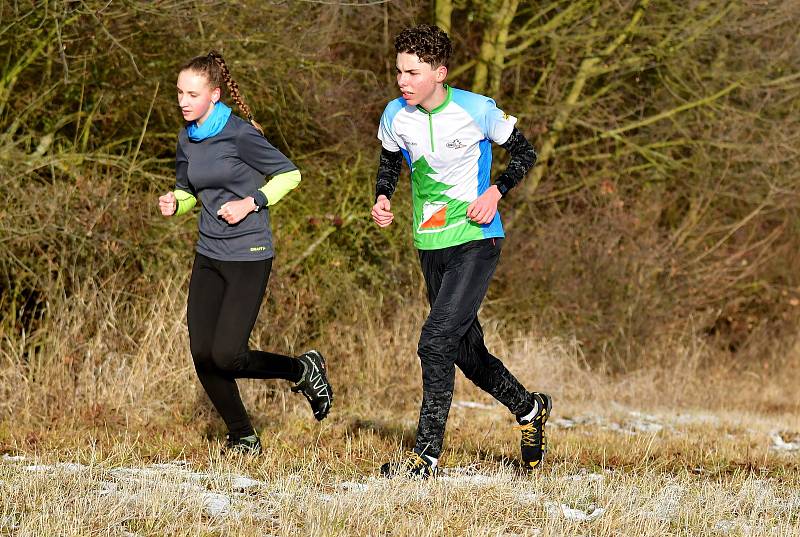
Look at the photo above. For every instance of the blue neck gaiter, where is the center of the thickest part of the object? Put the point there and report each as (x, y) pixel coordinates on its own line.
(212, 125)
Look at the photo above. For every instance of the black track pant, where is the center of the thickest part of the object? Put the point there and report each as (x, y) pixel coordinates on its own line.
(224, 299)
(457, 279)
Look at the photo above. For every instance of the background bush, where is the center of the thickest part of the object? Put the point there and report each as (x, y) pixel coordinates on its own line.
(664, 206)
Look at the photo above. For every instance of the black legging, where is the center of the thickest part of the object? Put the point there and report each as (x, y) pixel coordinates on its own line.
(224, 299)
(457, 279)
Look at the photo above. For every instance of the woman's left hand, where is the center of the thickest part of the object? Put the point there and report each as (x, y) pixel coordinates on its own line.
(234, 212)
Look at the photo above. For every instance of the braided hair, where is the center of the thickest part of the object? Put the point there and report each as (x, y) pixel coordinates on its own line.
(214, 68)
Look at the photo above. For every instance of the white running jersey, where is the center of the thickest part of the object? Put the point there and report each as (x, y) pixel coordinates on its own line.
(448, 150)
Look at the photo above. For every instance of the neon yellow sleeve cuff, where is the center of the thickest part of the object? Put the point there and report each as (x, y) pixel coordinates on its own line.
(280, 185)
(185, 201)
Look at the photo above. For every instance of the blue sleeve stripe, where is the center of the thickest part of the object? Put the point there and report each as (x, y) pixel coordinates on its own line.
(495, 227)
(408, 158)
(392, 109)
(474, 104)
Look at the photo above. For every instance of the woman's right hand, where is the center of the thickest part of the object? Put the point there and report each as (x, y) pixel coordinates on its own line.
(168, 204)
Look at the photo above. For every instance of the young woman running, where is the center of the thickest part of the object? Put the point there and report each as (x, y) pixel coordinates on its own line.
(222, 160)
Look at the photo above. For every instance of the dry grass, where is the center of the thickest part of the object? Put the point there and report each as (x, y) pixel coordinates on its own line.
(679, 229)
(675, 449)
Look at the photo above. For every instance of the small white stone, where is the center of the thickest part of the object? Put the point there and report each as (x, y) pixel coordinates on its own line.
(555, 510)
(779, 444)
(216, 504)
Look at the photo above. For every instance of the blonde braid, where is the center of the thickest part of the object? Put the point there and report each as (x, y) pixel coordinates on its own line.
(233, 89)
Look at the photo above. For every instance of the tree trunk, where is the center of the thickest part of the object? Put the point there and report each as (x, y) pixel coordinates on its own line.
(498, 65)
(443, 14)
(498, 15)
(588, 69)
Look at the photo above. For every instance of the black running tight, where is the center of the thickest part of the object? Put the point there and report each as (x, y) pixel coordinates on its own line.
(224, 299)
(457, 279)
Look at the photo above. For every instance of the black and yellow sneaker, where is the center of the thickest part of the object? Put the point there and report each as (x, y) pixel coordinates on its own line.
(412, 466)
(243, 445)
(534, 443)
(314, 384)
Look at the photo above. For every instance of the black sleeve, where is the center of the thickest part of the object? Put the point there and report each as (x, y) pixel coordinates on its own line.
(388, 172)
(523, 157)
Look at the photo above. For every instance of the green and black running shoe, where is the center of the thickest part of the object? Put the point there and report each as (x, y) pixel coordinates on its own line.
(314, 384)
(412, 466)
(534, 443)
(243, 445)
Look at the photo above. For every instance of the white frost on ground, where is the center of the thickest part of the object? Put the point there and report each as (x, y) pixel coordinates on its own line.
(353, 486)
(569, 423)
(8, 522)
(528, 497)
(70, 467)
(639, 423)
(468, 475)
(729, 526)
(175, 476)
(584, 476)
(696, 419)
(107, 487)
(157, 471)
(170, 465)
(533, 532)
(474, 479)
(665, 506)
(779, 444)
(178, 476)
(556, 510)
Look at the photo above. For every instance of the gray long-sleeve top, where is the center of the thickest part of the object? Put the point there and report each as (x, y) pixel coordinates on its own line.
(230, 166)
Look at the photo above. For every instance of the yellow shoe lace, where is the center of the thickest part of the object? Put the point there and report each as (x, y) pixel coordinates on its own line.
(528, 434)
(413, 461)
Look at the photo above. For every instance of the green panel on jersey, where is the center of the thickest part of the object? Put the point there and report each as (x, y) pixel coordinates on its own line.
(439, 220)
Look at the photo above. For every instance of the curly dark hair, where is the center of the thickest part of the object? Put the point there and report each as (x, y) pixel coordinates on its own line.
(430, 43)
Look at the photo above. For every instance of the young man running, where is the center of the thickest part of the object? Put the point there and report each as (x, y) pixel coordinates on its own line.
(445, 135)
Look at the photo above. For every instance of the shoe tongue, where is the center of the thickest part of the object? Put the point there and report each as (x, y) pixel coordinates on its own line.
(527, 418)
(430, 461)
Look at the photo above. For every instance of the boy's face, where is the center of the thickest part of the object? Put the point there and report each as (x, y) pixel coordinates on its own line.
(418, 80)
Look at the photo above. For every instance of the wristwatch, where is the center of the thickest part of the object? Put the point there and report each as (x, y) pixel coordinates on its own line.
(259, 196)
